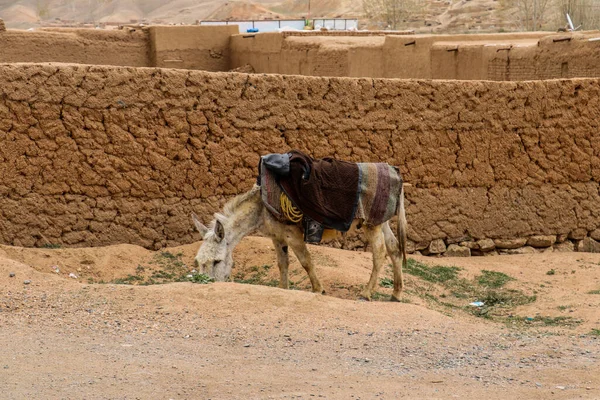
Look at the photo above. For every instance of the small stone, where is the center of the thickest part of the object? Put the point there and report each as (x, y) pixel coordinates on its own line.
(561, 237)
(27, 282)
(541, 241)
(457, 240)
(510, 243)
(595, 234)
(564, 247)
(470, 245)
(436, 246)
(421, 246)
(578, 234)
(486, 245)
(547, 250)
(455, 250)
(12, 274)
(247, 345)
(589, 245)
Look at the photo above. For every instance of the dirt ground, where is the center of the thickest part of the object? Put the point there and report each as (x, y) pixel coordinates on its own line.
(87, 337)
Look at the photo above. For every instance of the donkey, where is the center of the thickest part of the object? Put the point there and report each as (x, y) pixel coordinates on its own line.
(246, 214)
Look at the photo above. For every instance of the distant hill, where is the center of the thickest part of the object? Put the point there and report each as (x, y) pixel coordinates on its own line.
(432, 15)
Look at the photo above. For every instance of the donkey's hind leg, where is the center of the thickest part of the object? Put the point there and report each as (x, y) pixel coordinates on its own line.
(391, 243)
(376, 239)
(296, 241)
(283, 262)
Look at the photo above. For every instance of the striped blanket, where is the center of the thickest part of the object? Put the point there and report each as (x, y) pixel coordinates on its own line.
(374, 197)
(379, 188)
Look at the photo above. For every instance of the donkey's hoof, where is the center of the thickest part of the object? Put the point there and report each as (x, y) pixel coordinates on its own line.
(365, 296)
(395, 299)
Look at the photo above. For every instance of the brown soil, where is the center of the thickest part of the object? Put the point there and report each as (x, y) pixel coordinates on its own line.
(65, 338)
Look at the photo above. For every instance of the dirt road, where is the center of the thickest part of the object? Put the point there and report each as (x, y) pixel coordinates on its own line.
(65, 338)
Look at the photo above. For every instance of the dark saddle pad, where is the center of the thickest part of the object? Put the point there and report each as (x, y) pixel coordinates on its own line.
(329, 191)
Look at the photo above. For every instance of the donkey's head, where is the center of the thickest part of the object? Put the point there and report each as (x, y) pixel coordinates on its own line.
(214, 257)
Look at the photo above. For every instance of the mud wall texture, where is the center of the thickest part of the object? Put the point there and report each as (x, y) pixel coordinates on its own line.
(555, 56)
(186, 47)
(100, 155)
(191, 47)
(83, 46)
(509, 57)
(376, 56)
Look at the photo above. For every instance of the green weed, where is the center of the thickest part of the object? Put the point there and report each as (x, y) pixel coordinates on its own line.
(436, 274)
(164, 267)
(258, 277)
(444, 286)
(386, 283)
(493, 279)
(546, 321)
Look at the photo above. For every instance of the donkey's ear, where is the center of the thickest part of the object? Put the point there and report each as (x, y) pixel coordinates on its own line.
(201, 228)
(219, 230)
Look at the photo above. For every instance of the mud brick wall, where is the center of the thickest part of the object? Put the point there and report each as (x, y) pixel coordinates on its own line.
(128, 47)
(97, 155)
(191, 47)
(556, 56)
(184, 47)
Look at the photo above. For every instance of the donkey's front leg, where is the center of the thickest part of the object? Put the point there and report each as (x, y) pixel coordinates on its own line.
(283, 262)
(297, 244)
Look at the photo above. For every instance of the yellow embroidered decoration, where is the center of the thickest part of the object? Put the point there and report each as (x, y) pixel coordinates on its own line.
(288, 209)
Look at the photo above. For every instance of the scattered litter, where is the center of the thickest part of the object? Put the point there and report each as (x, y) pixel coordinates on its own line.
(189, 276)
(529, 318)
(477, 304)
(72, 275)
(561, 387)
(55, 269)
(27, 282)
(247, 345)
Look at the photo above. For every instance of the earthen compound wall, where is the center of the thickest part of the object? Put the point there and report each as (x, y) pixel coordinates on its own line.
(187, 47)
(512, 57)
(99, 155)
(82, 46)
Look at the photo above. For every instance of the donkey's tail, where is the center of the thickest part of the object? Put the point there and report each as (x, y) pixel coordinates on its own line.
(402, 227)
